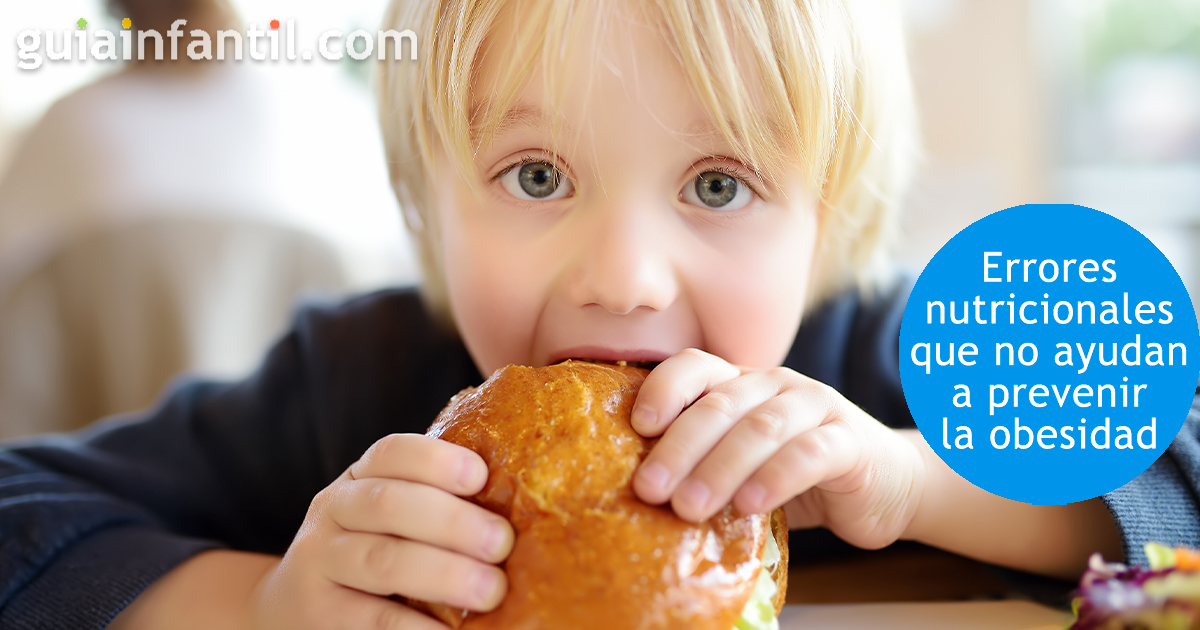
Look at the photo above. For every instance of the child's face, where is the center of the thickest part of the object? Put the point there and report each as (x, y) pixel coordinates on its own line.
(619, 256)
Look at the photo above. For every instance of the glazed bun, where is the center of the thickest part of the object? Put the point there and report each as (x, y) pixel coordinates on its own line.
(588, 554)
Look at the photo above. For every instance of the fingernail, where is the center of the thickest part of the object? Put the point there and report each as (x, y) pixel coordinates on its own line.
(753, 495)
(494, 539)
(470, 473)
(485, 586)
(655, 475)
(644, 417)
(696, 494)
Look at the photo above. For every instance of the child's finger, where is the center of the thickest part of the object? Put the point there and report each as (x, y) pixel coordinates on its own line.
(675, 384)
(357, 610)
(813, 457)
(415, 457)
(696, 431)
(386, 565)
(389, 506)
(752, 441)
(805, 511)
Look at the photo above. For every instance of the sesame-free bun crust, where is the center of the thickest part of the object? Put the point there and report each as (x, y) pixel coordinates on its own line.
(588, 554)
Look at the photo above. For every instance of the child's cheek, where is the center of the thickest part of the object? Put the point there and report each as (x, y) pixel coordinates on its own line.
(492, 294)
(750, 300)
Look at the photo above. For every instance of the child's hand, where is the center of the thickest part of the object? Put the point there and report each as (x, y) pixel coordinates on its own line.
(391, 525)
(765, 438)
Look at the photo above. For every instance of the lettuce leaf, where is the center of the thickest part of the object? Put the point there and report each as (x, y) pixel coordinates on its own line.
(759, 613)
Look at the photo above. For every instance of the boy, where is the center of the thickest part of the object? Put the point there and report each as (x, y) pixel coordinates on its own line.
(670, 182)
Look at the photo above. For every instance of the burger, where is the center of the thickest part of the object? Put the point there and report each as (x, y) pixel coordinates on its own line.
(561, 454)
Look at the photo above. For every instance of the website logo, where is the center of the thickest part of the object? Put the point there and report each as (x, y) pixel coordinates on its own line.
(276, 43)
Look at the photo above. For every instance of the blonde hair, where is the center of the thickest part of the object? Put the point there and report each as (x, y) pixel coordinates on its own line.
(822, 85)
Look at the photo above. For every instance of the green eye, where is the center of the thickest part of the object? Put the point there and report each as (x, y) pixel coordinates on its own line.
(536, 181)
(717, 191)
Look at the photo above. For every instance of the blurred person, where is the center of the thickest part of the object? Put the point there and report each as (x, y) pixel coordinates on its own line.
(206, 15)
(181, 141)
(206, 137)
(133, 142)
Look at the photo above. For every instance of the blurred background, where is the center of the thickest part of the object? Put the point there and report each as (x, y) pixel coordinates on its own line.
(1093, 102)
(125, 193)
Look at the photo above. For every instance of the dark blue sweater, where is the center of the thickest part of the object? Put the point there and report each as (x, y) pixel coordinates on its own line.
(88, 520)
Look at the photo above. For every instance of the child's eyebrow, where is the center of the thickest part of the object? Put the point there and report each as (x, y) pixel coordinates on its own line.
(703, 130)
(517, 116)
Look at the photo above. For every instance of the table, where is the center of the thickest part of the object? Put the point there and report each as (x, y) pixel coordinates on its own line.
(985, 615)
(896, 574)
(907, 587)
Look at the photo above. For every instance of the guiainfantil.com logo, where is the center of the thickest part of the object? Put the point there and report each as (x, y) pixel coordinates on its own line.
(34, 46)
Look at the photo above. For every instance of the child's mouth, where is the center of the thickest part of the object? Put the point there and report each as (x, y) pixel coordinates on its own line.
(648, 365)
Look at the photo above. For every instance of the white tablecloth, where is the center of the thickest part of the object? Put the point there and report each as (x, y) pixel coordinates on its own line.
(989, 615)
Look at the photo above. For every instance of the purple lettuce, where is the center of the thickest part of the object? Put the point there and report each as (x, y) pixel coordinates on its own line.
(1112, 596)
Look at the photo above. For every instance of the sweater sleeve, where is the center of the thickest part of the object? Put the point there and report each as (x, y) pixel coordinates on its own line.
(1161, 504)
(88, 520)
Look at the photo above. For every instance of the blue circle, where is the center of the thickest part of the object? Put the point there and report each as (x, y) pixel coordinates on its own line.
(1050, 321)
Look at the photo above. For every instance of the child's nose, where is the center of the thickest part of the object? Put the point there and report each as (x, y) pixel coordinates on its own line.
(624, 261)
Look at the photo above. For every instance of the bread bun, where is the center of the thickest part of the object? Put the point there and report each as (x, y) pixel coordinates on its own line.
(561, 454)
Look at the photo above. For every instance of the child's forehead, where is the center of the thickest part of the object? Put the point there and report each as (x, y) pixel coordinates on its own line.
(694, 66)
(526, 78)
(596, 42)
